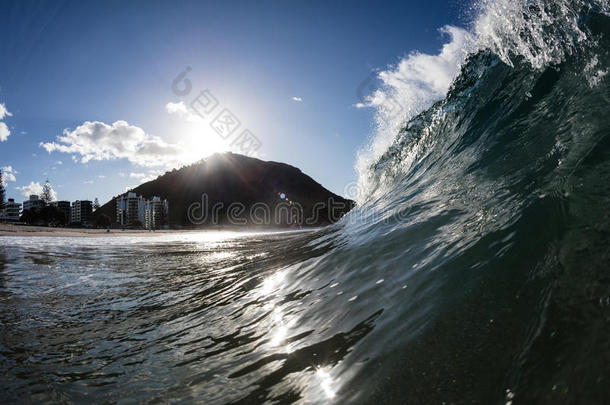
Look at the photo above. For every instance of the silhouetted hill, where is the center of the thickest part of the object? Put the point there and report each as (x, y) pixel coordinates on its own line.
(232, 188)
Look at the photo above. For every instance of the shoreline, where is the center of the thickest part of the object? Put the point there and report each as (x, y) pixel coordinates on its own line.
(26, 230)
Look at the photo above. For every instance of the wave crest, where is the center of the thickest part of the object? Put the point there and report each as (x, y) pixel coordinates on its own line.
(540, 32)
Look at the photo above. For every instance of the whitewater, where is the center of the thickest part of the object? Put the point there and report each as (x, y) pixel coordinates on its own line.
(473, 270)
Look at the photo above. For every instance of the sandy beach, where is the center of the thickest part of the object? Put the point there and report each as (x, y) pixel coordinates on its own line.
(23, 230)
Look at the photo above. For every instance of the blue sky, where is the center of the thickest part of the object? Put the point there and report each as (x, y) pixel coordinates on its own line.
(289, 71)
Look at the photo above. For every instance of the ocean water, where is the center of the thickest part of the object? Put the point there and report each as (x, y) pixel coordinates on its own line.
(181, 317)
(475, 268)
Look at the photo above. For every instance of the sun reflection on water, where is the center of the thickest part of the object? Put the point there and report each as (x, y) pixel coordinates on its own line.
(272, 283)
(279, 324)
(326, 382)
(279, 335)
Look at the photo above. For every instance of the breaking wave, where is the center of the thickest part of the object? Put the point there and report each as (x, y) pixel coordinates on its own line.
(473, 270)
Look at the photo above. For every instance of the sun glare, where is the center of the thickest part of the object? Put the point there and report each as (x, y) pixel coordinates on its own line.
(201, 141)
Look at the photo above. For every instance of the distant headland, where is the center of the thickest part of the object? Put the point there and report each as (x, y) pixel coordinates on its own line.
(228, 189)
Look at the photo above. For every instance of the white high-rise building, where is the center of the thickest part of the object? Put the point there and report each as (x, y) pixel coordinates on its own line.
(81, 212)
(156, 213)
(132, 210)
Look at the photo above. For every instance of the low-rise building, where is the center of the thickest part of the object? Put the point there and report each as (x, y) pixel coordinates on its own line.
(33, 202)
(11, 211)
(81, 212)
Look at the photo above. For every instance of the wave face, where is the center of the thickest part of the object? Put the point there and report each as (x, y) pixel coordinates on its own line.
(492, 206)
(474, 270)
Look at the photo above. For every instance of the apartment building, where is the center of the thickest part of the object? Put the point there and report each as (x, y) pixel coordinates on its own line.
(156, 213)
(134, 210)
(64, 206)
(11, 211)
(33, 202)
(81, 212)
(130, 209)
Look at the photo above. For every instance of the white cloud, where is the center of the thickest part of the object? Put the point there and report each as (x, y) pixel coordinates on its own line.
(145, 177)
(101, 176)
(181, 110)
(99, 141)
(4, 131)
(8, 174)
(32, 188)
(88, 182)
(297, 99)
(176, 108)
(35, 188)
(59, 162)
(4, 112)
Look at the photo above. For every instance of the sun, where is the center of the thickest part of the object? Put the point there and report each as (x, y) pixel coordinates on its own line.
(201, 141)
